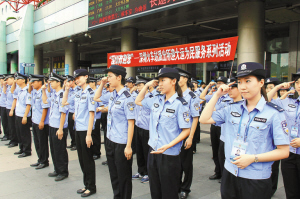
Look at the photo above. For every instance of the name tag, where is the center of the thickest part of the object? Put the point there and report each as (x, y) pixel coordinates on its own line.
(83, 97)
(263, 120)
(235, 114)
(292, 105)
(118, 102)
(170, 110)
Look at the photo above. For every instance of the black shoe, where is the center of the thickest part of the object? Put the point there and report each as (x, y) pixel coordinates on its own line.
(220, 180)
(41, 166)
(73, 148)
(96, 157)
(53, 174)
(88, 194)
(70, 146)
(12, 145)
(23, 155)
(4, 139)
(60, 177)
(183, 195)
(7, 144)
(215, 177)
(104, 163)
(80, 191)
(194, 152)
(35, 164)
(18, 153)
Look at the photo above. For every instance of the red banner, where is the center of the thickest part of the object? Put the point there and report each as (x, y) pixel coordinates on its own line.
(208, 51)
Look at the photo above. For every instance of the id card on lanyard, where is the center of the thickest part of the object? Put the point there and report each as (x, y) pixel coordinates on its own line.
(240, 146)
(294, 130)
(109, 115)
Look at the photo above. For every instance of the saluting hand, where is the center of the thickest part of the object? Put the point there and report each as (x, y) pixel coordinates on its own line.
(59, 134)
(285, 85)
(104, 80)
(89, 141)
(211, 84)
(152, 83)
(295, 143)
(44, 87)
(243, 161)
(128, 152)
(224, 89)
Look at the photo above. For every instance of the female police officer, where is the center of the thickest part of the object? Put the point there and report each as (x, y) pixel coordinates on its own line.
(290, 167)
(169, 125)
(85, 108)
(254, 128)
(120, 125)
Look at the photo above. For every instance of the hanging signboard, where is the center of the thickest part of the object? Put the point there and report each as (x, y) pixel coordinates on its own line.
(201, 52)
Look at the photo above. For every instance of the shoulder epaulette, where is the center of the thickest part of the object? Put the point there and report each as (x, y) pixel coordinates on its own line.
(278, 108)
(78, 88)
(150, 96)
(127, 94)
(226, 100)
(182, 100)
(192, 95)
(61, 95)
(91, 91)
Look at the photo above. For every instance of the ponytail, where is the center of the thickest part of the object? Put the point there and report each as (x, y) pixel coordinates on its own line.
(178, 89)
(263, 91)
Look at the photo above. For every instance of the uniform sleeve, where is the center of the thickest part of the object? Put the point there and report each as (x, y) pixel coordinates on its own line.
(219, 116)
(105, 98)
(62, 108)
(183, 117)
(16, 93)
(208, 97)
(280, 130)
(48, 100)
(195, 107)
(92, 105)
(129, 107)
(28, 98)
(147, 102)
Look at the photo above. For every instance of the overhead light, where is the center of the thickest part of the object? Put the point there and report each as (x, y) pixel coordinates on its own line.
(88, 35)
(269, 21)
(208, 27)
(70, 40)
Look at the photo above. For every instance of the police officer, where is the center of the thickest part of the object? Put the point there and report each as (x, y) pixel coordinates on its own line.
(40, 121)
(120, 127)
(85, 108)
(23, 114)
(96, 134)
(290, 167)
(2, 100)
(186, 154)
(253, 130)
(58, 123)
(215, 131)
(72, 92)
(270, 83)
(169, 126)
(142, 133)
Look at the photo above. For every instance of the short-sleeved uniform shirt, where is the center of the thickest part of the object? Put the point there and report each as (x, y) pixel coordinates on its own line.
(2, 97)
(193, 103)
(21, 95)
(37, 105)
(267, 129)
(11, 96)
(167, 119)
(142, 115)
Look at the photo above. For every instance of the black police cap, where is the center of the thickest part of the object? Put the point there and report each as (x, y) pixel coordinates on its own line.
(194, 80)
(80, 72)
(69, 78)
(130, 79)
(56, 77)
(93, 79)
(272, 80)
(222, 79)
(36, 78)
(250, 68)
(183, 73)
(119, 70)
(168, 72)
(20, 76)
(296, 75)
(6, 76)
(141, 79)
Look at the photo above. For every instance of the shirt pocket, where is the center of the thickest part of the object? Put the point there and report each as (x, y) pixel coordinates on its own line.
(168, 120)
(235, 122)
(258, 132)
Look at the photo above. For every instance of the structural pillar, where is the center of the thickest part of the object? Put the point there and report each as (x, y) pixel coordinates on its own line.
(251, 20)
(204, 71)
(26, 48)
(3, 56)
(294, 48)
(71, 51)
(14, 63)
(38, 60)
(129, 42)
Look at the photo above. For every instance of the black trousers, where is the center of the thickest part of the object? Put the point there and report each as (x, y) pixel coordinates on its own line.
(196, 137)
(186, 157)
(290, 168)
(86, 161)
(221, 155)
(164, 175)
(58, 151)
(12, 127)
(120, 170)
(241, 188)
(274, 176)
(71, 128)
(40, 138)
(96, 136)
(215, 133)
(133, 144)
(142, 150)
(103, 121)
(24, 135)
(4, 121)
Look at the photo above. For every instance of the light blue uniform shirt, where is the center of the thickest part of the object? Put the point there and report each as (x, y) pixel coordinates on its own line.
(134, 94)
(292, 114)
(208, 97)
(267, 129)
(197, 92)
(167, 119)
(142, 115)
(37, 105)
(120, 110)
(98, 114)
(84, 104)
(2, 98)
(71, 98)
(11, 96)
(105, 99)
(56, 109)
(194, 104)
(22, 102)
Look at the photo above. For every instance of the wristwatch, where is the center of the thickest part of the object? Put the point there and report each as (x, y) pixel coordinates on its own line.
(256, 158)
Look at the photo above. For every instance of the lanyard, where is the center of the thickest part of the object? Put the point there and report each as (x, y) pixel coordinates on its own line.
(297, 112)
(247, 127)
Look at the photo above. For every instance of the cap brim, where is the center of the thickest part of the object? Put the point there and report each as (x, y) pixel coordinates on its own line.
(258, 72)
(122, 73)
(169, 75)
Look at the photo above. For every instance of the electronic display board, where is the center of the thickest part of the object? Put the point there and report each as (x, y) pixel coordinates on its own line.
(105, 12)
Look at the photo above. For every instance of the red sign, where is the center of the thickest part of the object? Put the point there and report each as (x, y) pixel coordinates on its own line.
(208, 51)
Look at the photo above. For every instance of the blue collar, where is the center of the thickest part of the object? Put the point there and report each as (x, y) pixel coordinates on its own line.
(186, 92)
(58, 92)
(171, 99)
(259, 106)
(120, 92)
